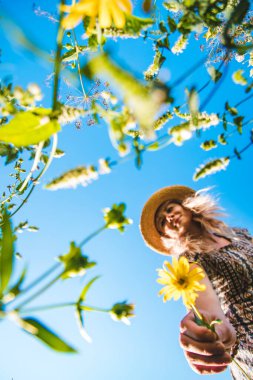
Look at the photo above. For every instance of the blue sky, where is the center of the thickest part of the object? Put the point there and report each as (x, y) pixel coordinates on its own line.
(149, 348)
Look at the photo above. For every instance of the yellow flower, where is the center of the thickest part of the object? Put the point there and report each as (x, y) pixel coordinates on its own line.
(181, 280)
(107, 12)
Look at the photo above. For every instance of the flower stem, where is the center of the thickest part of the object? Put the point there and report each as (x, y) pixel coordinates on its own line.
(35, 163)
(41, 278)
(54, 146)
(61, 305)
(196, 312)
(92, 308)
(39, 292)
(50, 158)
(78, 64)
(23, 202)
(46, 307)
(57, 62)
(241, 369)
(36, 281)
(200, 317)
(91, 236)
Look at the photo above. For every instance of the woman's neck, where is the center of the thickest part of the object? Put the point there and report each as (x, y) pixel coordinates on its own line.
(211, 241)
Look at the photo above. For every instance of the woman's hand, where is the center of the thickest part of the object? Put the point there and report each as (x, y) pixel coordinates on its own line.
(205, 350)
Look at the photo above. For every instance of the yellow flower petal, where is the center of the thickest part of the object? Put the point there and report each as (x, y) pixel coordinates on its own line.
(170, 267)
(66, 8)
(125, 5)
(71, 21)
(117, 15)
(196, 274)
(183, 267)
(105, 19)
(181, 280)
(91, 25)
(86, 8)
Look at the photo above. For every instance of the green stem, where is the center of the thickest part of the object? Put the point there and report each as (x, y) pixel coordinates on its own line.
(57, 62)
(196, 312)
(35, 163)
(91, 236)
(200, 317)
(78, 65)
(54, 146)
(36, 281)
(50, 158)
(24, 201)
(39, 292)
(241, 369)
(46, 307)
(62, 305)
(99, 37)
(91, 308)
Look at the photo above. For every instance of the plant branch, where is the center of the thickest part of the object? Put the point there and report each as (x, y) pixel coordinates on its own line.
(57, 62)
(91, 236)
(39, 292)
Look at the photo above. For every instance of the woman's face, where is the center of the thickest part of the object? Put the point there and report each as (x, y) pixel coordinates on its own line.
(173, 220)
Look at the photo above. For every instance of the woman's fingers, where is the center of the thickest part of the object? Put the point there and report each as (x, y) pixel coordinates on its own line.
(190, 328)
(202, 370)
(226, 333)
(203, 348)
(208, 361)
(215, 348)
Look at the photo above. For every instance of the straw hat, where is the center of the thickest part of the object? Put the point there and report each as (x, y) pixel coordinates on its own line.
(147, 224)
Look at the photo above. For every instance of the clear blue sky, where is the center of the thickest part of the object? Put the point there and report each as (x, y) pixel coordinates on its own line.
(149, 348)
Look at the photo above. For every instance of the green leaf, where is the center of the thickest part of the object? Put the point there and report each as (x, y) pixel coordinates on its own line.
(29, 128)
(72, 54)
(224, 122)
(80, 321)
(10, 152)
(172, 24)
(239, 12)
(193, 103)
(47, 336)
(86, 289)
(238, 122)
(7, 252)
(16, 288)
(232, 110)
(210, 326)
(237, 154)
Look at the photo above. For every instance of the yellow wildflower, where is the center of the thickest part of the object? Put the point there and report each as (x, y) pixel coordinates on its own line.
(181, 280)
(107, 12)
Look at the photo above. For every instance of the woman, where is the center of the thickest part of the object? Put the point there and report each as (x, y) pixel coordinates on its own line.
(178, 221)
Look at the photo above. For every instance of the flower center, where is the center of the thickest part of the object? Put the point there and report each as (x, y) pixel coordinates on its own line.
(181, 281)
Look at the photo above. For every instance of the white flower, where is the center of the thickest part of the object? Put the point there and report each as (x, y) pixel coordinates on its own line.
(35, 90)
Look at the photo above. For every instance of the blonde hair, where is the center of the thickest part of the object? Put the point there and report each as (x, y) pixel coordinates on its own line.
(205, 211)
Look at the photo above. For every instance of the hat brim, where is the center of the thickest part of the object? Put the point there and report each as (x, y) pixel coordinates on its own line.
(147, 224)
